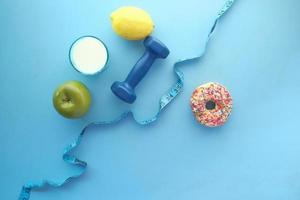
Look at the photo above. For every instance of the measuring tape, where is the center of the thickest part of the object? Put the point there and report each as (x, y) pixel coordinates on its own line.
(165, 100)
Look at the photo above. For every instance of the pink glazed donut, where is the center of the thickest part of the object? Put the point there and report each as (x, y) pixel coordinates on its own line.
(211, 104)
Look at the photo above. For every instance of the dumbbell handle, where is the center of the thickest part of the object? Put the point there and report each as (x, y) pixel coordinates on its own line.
(140, 69)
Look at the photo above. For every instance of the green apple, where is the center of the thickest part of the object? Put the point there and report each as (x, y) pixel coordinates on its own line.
(72, 99)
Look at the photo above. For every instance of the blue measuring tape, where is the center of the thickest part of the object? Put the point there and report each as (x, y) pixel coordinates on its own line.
(166, 99)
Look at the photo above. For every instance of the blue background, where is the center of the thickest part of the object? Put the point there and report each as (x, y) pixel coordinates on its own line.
(255, 53)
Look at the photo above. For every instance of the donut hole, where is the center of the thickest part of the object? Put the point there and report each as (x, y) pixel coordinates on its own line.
(210, 105)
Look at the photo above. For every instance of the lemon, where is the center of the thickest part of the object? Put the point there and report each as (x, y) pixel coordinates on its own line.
(132, 23)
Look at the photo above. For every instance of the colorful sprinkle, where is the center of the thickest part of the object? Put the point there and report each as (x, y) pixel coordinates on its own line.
(211, 104)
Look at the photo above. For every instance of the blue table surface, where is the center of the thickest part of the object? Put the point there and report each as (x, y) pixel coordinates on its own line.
(255, 53)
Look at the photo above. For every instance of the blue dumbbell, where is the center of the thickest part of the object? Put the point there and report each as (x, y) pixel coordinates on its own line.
(154, 49)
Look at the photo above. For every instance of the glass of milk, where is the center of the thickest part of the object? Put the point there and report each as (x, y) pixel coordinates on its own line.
(88, 55)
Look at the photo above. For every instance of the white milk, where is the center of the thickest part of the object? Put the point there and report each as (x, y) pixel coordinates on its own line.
(88, 55)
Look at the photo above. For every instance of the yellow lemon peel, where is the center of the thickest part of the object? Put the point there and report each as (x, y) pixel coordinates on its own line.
(132, 23)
